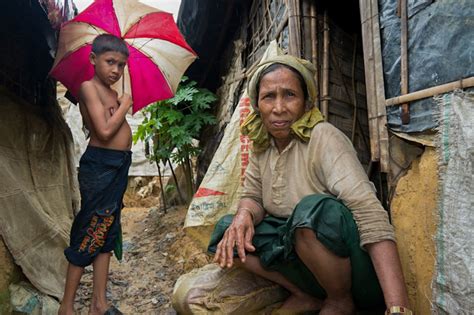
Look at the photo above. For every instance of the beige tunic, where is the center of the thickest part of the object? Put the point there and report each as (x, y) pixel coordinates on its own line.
(327, 164)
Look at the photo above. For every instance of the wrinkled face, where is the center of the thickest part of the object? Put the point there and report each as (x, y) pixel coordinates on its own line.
(109, 66)
(281, 102)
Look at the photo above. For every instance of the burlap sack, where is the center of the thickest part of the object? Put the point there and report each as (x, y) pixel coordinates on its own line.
(213, 290)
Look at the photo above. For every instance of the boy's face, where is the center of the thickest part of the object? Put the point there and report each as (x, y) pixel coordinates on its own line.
(109, 66)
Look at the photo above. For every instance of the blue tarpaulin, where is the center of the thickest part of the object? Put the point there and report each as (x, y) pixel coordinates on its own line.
(440, 50)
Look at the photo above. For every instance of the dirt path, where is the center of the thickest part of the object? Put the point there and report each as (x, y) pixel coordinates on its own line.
(156, 253)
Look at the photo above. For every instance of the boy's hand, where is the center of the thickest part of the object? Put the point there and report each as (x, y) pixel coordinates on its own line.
(125, 100)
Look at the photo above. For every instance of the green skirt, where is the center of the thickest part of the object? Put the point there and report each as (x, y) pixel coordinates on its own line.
(334, 227)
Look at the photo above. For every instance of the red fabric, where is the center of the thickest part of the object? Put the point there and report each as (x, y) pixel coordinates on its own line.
(101, 14)
(158, 25)
(74, 69)
(148, 83)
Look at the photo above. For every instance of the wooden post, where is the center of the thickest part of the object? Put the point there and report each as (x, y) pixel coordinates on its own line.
(314, 48)
(325, 83)
(374, 82)
(405, 114)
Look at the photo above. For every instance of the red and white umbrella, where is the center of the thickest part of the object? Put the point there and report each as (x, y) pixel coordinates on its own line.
(159, 55)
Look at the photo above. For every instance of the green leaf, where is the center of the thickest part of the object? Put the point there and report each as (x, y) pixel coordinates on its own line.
(173, 124)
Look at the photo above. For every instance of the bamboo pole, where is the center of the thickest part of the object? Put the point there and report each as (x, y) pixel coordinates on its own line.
(432, 91)
(307, 48)
(405, 114)
(380, 91)
(281, 26)
(314, 47)
(297, 17)
(325, 83)
(181, 198)
(294, 28)
(163, 196)
(354, 91)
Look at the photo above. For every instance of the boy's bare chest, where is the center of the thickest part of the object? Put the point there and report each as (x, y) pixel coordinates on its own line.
(110, 103)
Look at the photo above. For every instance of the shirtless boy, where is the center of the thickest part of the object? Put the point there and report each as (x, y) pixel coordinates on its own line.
(103, 173)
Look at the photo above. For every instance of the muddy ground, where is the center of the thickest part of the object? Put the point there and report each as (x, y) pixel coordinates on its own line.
(156, 253)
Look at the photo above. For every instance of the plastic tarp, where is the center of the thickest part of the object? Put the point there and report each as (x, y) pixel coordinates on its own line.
(58, 11)
(454, 274)
(27, 300)
(213, 290)
(38, 191)
(440, 50)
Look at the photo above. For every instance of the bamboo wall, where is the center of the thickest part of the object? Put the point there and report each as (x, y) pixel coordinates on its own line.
(304, 30)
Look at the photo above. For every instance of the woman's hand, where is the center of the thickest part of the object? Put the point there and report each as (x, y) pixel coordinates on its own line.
(239, 234)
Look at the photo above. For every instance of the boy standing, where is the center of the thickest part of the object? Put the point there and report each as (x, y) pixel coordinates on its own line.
(103, 174)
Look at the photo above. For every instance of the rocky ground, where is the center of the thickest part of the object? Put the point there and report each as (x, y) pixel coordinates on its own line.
(156, 253)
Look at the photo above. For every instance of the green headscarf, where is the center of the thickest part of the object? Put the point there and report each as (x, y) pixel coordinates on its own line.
(253, 125)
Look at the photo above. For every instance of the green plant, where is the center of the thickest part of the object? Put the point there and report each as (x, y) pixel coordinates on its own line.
(172, 125)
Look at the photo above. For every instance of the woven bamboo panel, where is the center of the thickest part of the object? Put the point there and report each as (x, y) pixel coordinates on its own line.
(270, 19)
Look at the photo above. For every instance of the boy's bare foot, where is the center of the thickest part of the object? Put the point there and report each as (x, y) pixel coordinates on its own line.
(98, 308)
(301, 302)
(64, 310)
(344, 306)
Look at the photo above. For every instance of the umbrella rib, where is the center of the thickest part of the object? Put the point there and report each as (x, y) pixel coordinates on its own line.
(95, 28)
(144, 44)
(136, 30)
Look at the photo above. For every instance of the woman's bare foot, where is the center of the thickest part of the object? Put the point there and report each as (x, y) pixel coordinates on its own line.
(342, 306)
(301, 302)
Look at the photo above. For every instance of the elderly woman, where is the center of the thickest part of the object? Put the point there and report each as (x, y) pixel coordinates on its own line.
(308, 218)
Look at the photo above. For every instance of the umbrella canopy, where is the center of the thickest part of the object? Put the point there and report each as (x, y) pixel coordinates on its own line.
(159, 55)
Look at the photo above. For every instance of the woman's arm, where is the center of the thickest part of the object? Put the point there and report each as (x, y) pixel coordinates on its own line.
(386, 262)
(240, 233)
(346, 179)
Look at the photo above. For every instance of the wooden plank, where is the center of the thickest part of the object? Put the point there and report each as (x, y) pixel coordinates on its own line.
(367, 44)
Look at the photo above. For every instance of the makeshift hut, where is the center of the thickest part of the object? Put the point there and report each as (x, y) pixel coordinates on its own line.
(38, 192)
(380, 64)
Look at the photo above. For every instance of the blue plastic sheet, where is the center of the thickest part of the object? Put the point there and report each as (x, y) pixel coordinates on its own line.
(440, 50)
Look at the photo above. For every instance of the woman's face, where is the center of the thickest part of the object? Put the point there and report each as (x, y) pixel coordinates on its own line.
(281, 102)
